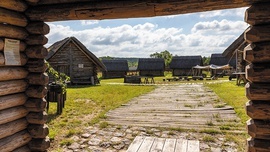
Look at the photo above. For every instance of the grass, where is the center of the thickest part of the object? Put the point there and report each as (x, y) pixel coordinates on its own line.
(208, 138)
(87, 105)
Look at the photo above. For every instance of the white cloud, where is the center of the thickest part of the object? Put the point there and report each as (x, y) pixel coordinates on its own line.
(88, 22)
(239, 12)
(141, 40)
(219, 27)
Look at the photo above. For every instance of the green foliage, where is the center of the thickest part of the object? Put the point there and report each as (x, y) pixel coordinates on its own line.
(166, 55)
(206, 60)
(106, 58)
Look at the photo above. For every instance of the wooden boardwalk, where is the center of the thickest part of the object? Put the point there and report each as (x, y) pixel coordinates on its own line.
(187, 106)
(153, 144)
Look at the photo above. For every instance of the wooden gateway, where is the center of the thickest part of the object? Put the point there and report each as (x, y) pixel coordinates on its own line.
(71, 57)
(23, 81)
(151, 67)
(115, 68)
(182, 65)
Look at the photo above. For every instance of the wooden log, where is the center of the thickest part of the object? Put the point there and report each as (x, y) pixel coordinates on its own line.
(38, 131)
(23, 59)
(12, 73)
(16, 5)
(32, 2)
(13, 127)
(258, 91)
(39, 144)
(38, 28)
(2, 44)
(38, 118)
(259, 129)
(36, 91)
(38, 78)
(37, 51)
(258, 145)
(35, 104)
(15, 141)
(36, 65)
(12, 114)
(258, 14)
(257, 52)
(10, 31)
(258, 72)
(13, 86)
(14, 100)
(12, 17)
(36, 40)
(22, 149)
(257, 33)
(258, 110)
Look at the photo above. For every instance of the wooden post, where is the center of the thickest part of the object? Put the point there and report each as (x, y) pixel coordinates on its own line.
(258, 90)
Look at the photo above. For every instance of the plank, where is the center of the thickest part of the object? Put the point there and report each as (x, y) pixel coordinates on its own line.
(193, 146)
(181, 145)
(158, 145)
(146, 144)
(169, 145)
(135, 145)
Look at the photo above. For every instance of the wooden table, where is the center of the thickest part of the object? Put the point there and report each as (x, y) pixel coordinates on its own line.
(240, 76)
(147, 79)
(149, 144)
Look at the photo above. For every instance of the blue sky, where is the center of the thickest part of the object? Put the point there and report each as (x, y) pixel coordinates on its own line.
(187, 34)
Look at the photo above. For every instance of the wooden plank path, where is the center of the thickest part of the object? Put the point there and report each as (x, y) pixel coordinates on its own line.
(187, 106)
(154, 144)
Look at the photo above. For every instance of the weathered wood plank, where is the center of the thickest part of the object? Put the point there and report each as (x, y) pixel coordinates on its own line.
(13, 100)
(135, 145)
(258, 14)
(12, 73)
(12, 114)
(193, 146)
(8, 129)
(157, 145)
(169, 145)
(16, 5)
(181, 145)
(10, 31)
(15, 141)
(146, 144)
(12, 17)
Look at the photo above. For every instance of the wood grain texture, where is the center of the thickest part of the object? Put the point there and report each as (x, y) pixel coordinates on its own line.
(259, 129)
(38, 118)
(258, 110)
(12, 73)
(10, 31)
(258, 72)
(35, 104)
(257, 52)
(12, 86)
(258, 14)
(258, 145)
(13, 100)
(258, 91)
(16, 5)
(12, 114)
(8, 129)
(38, 28)
(12, 17)
(259, 33)
(39, 144)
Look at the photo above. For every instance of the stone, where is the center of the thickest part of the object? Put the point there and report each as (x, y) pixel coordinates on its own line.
(86, 135)
(127, 141)
(119, 146)
(119, 134)
(142, 129)
(74, 146)
(94, 142)
(129, 131)
(116, 140)
(105, 144)
(75, 138)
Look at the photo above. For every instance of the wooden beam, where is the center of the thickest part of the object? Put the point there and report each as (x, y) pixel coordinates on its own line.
(257, 34)
(8, 129)
(10, 31)
(36, 51)
(38, 78)
(108, 9)
(257, 52)
(12, 114)
(16, 5)
(36, 40)
(258, 145)
(258, 91)
(38, 28)
(13, 86)
(38, 118)
(13, 100)
(39, 144)
(258, 110)
(36, 65)
(258, 72)
(258, 14)
(36, 91)
(35, 104)
(12, 17)
(259, 129)
(38, 131)
(12, 73)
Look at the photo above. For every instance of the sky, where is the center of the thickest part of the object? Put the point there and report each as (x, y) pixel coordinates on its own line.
(186, 34)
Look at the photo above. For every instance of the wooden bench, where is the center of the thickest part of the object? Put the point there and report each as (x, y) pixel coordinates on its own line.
(149, 144)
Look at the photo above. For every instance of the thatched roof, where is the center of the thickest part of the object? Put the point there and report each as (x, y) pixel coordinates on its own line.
(61, 44)
(151, 64)
(116, 65)
(185, 62)
(219, 59)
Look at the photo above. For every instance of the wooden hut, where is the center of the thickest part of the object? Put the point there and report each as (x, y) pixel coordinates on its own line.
(22, 121)
(115, 68)
(182, 65)
(220, 60)
(151, 66)
(71, 57)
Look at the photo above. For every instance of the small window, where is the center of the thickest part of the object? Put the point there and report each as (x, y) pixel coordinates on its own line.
(80, 65)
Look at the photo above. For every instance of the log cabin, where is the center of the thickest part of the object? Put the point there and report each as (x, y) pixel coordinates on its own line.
(220, 60)
(151, 66)
(71, 57)
(22, 121)
(182, 65)
(115, 68)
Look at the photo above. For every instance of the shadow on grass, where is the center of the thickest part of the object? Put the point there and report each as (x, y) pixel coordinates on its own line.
(82, 86)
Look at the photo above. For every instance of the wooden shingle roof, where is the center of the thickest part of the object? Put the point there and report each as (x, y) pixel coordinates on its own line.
(219, 59)
(185, 62)
(151, 64)
(53, 49)
(116, 65)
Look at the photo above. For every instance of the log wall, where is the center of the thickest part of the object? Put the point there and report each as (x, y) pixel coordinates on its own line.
(22, 86)
(258, 73)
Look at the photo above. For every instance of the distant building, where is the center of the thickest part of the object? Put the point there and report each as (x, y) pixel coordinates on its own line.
(219, 59)
(151, 66)
(182, 65)
(71, 57)
(115, 68)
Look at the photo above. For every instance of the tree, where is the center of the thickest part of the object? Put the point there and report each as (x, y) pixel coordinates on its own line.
(166, 55)
(206, 60)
